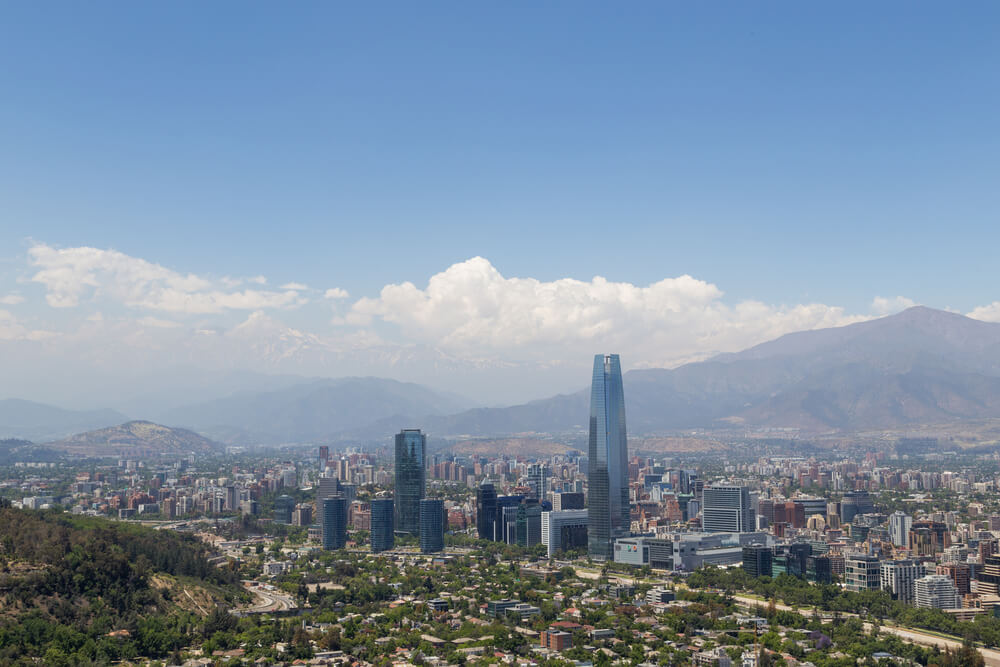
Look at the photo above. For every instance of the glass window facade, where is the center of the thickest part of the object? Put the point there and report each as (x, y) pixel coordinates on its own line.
(334, 522)
(382, 525)
(607, 488)
(431, 525)
(411, 479)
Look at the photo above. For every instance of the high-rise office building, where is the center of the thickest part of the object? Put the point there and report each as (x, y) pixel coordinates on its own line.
(567, 500)
(383, 527)
(506, 516)
(283, 507)
(757, 559)
(486, 511)
(431, 525)
(529, 524)
(411, 479)
(899, 528)
(563, 530)
(854, 503)
(538, 476)
(727, 509)
(607, 487)
(328, 487)
(334, 524)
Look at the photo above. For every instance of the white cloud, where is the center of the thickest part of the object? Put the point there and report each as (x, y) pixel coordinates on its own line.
(471, 309)
(989, 313)
(887, 306)
(158, 323)
(70, 274)
(11, 299)
(12, 329)
(336, 293)
(295, 286)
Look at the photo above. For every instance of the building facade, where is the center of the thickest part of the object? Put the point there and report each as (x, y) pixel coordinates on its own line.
(431, 516)
(383, 524)
(563, 530)
(607, 488)
(486, 511)
(334, 522)
(727, 509)
(757, 560)
(411, 479)
(899, 578)
(862, 573)
(937, 591)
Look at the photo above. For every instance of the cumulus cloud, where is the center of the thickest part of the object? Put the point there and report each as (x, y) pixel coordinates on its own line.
(887, 306)
(11, 299)
(71, 274)
(336, 293)
(295, 286)
(989, 313)
(470, 308)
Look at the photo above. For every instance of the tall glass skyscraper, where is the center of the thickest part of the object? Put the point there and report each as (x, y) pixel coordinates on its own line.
(486, 511)
(382, 525)
(334, 522)
(411, 479)
(607, 479)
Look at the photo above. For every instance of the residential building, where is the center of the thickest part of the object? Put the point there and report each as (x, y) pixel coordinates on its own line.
(899, 578)
(937, 591)
(900, 524)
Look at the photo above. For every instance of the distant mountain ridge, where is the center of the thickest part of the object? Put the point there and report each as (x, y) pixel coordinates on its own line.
(919, 366)
(138, 439)
(313, 410)
(39, 422)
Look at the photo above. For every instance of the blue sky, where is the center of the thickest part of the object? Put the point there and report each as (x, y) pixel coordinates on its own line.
(786, 153)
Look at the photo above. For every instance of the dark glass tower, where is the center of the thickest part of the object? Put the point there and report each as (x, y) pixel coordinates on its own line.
(486, 511)
(431, 525)
(382, 525)
(607, 482)
(334, 522)
(411, 479)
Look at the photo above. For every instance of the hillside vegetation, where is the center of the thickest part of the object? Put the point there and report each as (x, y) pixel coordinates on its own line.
(77, 590)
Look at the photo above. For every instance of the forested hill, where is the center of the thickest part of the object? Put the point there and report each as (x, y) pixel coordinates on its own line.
(77, 590)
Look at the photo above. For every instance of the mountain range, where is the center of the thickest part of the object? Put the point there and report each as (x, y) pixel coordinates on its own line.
(917, 367)
(40, 422)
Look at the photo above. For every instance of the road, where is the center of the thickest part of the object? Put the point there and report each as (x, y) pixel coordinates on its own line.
(267, 601)
(990, 656)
